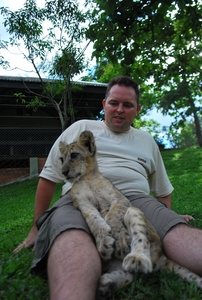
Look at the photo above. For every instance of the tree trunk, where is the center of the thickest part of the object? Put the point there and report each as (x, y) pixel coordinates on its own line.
(60, 114)
(197, 122)
(198, 129)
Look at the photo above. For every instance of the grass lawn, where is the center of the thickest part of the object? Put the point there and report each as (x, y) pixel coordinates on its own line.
(184, 168)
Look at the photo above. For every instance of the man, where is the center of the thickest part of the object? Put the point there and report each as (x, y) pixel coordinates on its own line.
(130, 159)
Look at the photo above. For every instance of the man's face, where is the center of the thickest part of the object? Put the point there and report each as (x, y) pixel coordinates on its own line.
(120, 108)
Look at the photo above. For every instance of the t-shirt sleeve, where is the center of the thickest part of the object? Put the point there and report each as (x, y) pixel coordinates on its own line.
(52, 169)
(160, 184)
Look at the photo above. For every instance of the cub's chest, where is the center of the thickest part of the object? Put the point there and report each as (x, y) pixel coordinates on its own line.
(92, 189)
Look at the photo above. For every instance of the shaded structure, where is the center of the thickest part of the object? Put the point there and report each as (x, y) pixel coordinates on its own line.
(25, 133)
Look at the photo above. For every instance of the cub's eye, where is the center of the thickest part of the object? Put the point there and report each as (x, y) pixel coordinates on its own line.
(74, 155)
(62, 160)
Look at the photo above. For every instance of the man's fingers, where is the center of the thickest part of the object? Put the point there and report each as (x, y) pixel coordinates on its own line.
(29, 241)
(19, 247)
(24, 244)
(188, 218)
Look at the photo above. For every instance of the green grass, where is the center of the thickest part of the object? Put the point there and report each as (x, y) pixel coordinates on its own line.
(184, 168)
(17, 207)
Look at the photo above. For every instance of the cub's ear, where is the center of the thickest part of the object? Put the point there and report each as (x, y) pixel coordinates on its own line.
(86, 139)
(62, 147)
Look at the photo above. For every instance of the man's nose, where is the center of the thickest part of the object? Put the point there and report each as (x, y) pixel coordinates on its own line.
(120, 107)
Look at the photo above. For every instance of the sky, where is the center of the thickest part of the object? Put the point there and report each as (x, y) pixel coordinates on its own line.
(19, 65)
(21, 68)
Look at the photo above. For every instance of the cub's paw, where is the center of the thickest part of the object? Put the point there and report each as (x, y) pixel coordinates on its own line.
(105, 243)
(105, 287)
(137, 263)
(110, 281)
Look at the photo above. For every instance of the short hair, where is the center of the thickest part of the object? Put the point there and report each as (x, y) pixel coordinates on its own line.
(125, 81)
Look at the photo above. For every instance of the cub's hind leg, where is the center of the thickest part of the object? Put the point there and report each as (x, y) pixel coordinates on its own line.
(155, 250)
(139, 259)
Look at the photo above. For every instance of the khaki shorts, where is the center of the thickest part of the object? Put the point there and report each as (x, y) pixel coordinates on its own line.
(63, 216)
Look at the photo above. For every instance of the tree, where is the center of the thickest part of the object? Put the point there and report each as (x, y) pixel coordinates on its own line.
(180, 80)
(3, 63)
(158, 43)
(184, 137)
(51, 37)
(154, 128)
(103, 72)
(139, 32)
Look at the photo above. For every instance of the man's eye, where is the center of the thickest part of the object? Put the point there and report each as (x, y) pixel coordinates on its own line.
(74, 155)
(128, 105)
(113, 103)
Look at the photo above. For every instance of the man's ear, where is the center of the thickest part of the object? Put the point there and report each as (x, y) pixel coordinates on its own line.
(138, 108)
(103, 103)
(86, 139)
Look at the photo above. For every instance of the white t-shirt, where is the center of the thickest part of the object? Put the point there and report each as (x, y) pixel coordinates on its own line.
(130, 160)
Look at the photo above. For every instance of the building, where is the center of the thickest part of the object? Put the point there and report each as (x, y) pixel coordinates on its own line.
(25, 133)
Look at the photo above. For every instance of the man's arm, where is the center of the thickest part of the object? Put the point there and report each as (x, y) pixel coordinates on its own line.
(166, 200)
(44, 195)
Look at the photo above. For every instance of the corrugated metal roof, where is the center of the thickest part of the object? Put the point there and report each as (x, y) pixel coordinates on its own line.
(35, 79)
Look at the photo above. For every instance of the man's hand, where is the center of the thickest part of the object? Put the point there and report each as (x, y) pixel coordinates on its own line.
(187, 218)
(29, 241)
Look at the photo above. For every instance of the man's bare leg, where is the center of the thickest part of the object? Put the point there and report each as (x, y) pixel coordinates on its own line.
(183, 244)
(74, 267)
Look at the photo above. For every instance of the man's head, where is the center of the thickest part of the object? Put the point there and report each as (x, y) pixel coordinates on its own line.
(125, 81)
(121, 103)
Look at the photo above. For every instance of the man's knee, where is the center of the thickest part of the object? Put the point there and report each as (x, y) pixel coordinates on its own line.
(174, 235)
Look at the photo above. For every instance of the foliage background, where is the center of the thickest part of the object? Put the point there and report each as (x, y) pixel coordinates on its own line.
(158, 43)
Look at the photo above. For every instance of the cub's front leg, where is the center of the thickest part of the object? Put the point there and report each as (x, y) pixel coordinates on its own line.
(115, 218)
(120, 234)
(98, 227)
(139, 259)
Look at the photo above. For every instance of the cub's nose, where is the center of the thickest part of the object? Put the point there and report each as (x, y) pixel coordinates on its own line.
(65, 172)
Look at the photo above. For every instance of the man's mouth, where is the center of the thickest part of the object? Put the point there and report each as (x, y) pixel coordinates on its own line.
(119, 117)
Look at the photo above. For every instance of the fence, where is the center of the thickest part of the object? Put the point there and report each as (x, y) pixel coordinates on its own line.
(18, 147)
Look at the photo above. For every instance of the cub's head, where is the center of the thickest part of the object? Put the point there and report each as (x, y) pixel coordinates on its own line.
(78, 158)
